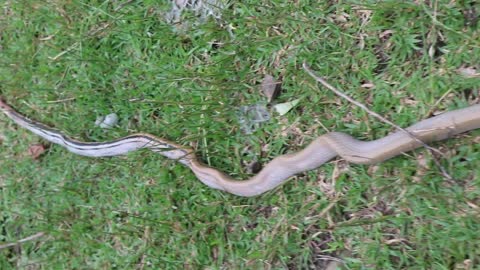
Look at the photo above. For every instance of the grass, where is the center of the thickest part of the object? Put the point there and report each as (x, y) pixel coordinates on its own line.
(66, 64)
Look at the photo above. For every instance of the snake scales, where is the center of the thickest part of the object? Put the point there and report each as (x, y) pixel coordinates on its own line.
(321, 150)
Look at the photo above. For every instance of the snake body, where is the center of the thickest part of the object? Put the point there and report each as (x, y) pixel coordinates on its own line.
(281, 168)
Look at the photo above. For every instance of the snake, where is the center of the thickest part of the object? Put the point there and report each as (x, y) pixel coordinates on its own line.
(281, 168)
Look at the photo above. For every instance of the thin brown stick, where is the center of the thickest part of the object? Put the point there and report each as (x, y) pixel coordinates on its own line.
(26, 239)
(379, 117)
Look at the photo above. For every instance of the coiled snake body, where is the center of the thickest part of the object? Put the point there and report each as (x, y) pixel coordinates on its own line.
(321, 150)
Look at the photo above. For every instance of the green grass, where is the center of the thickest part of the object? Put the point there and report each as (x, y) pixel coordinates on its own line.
(145, 212)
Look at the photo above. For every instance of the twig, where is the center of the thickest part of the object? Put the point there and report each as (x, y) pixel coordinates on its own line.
(26, 239)
(381, 118)
(122, 5)
(61, 100)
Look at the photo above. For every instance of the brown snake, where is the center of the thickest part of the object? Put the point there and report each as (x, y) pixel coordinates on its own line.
(281, 168)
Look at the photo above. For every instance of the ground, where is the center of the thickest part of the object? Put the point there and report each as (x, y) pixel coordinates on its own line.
(185, 78)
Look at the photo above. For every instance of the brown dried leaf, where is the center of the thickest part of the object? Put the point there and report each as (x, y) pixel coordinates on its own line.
(254, 166)
(36, 150)
(326, 186)
(468, 72)
(373, 169)
(270, 87)
(341, 167)
(368, 85)
(465, 265)
(422, 169)
(341, 17)
(409, 101)
(386, 33)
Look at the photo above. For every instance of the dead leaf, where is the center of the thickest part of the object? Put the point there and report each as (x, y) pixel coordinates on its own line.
(386, 33)
(340, 168)
(422, 168)
(471, 16)
(373, 169)
(253, 167)
(368, 85)
(270, 87)
(36, 150)
(468, 72)
(342, 17)
(327, 186)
